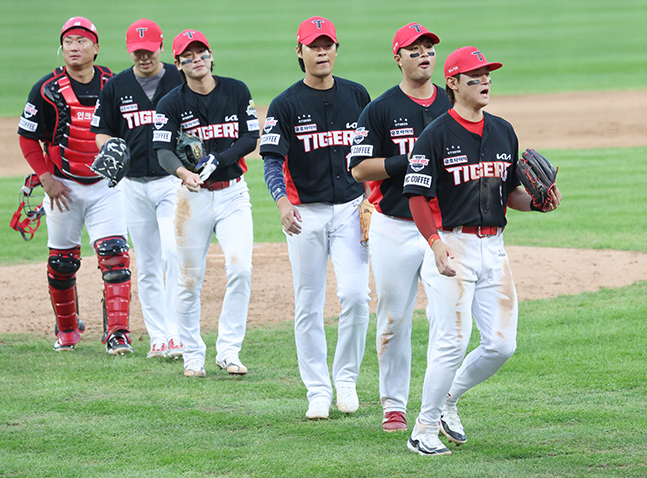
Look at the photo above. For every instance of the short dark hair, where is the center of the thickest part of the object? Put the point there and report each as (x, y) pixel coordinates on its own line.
(450, 92)
(301, 64)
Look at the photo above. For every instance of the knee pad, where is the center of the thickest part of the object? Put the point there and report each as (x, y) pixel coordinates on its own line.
(62, 266)
(114, 262)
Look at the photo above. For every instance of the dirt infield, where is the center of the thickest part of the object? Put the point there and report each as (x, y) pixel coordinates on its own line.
(560, 121)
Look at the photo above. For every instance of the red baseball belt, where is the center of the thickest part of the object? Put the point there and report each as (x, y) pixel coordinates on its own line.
(218, 185)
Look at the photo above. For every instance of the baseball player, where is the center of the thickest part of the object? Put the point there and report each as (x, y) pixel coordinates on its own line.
(465, 161)
(306, 137)
(386, 132)
(58, 115)
(126, 109)
(221, 112)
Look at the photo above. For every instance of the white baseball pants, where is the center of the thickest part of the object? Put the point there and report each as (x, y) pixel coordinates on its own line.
(227, 214)
(329, 230)
(483, 288)
(399, 256)
(149, 205)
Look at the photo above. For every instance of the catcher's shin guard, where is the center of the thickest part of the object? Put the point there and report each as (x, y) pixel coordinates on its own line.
(114, 261)
(62, 266)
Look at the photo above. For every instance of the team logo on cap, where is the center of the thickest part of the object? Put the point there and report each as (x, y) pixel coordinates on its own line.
(478, 55)
(189, 34)
(141, 31)
(416, 27)
(318, 23)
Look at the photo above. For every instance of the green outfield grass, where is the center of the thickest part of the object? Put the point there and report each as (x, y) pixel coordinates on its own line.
(570, 403)
(546, 46)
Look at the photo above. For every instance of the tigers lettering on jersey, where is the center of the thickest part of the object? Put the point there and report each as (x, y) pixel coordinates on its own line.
(326, 138)
(213, 131)
(474, 172)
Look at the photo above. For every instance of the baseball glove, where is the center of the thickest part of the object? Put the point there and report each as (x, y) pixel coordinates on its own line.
(190, 150)
(113, 161)
(538, 177)
(365, 211)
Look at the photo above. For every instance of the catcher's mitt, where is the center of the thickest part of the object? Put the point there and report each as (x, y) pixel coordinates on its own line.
(190, 150)
(365, 211)
(113, 161)
(538, 177)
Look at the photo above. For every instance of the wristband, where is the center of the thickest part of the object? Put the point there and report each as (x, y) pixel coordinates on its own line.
(433, 238)
(396, 165)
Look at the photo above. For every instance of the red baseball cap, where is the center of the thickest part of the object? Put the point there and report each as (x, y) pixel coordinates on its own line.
(313, 28)
(466, 59)
(184, 39)
(409, 33)
(80, 26)
(143, 35)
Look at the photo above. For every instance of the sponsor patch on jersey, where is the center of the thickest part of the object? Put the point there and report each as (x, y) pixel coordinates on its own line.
(270, 122)
(163, 136)
(27, 125)
(365, 150)
(95, 121)
(29, 111)
(305, 128)
(351, 125)
(417, 180)
(128, 108)
(395, 133)
(190, 124)
(504, 156)
(418, 162)
(229, 119)
(252, 125)
(160, 120)
(360, 134)
(251, 109)
(455, 160)
(270, 139)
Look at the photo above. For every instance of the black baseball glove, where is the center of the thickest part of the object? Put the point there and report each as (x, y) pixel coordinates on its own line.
(190, 150)
(113, 161)
(538, 177)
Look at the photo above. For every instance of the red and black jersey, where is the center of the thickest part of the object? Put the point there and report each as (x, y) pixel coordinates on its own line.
(389, 126)
(58, 113)
(313, 130)
(124, 111)
(469, 177)
(224, 119)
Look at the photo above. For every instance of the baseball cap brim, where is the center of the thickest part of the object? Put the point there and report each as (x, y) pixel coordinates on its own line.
(145, 45)
(310, 39)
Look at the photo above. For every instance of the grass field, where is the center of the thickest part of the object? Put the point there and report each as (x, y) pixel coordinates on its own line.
(548, 45)
(570, 403)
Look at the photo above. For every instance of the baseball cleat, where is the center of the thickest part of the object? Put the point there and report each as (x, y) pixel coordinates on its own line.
(232, 365)
(424, 441)
(451, 425)
(194, 369)
(347, 400)
(118, 344)
(394, 422)
(318, 410)
(62, 348)
(175, 349)
(158, 350)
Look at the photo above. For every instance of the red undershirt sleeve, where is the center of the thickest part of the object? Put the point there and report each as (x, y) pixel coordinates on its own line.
(422, 216)
(33, 153)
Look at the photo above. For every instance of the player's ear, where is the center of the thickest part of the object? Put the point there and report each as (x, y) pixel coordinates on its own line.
(299, 51)
(162, 46)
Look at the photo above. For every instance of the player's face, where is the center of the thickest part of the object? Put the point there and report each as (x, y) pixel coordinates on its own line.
(319, 57)
(473, 88)
(147, 63)
(417, 60)
(196, 61)
(78, 51)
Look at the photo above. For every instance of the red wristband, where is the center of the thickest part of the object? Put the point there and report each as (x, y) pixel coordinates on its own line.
(433, 239)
